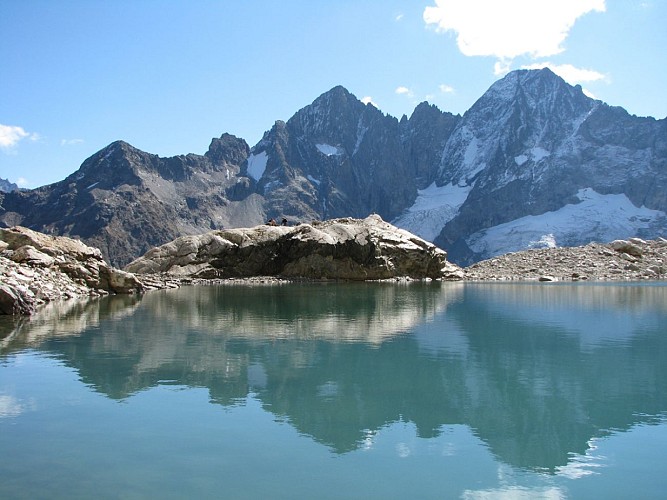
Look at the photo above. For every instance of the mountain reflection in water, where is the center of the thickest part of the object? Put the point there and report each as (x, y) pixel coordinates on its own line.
(535, 371)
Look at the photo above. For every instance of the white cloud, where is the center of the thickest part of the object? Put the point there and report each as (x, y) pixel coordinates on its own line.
(569, 73)
(446, 89)
(399, 17)
(502, 66)
(369, 100)
(510, 28)
(22, 182)
(11, 135)
(404, 91)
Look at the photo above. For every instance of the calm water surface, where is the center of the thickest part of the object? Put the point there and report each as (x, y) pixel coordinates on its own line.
(340, 391)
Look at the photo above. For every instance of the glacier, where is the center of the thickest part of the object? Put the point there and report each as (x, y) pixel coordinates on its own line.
(597, 217)
(433, 208)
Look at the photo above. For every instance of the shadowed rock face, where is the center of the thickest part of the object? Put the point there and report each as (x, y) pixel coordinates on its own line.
(351, 249)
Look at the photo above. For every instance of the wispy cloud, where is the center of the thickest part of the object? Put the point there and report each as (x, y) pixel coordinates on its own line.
(22, 182)
(511, 28)
(569, 73)
(11, 135)
(446, 89)
(399, 17)
(71, 142)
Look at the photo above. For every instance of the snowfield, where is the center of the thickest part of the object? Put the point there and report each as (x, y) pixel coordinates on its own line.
(434, 207)
(597, 217)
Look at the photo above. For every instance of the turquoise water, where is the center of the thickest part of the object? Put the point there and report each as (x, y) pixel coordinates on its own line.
(340, 391)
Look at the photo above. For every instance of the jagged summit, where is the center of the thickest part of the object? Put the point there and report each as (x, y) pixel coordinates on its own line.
(535, 81)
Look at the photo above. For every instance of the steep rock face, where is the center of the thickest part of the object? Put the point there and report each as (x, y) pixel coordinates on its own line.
(424, 136)
(339, 157)
(350, 249)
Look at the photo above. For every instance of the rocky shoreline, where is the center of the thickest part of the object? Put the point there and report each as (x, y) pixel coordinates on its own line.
(37, 269)
(621, 260)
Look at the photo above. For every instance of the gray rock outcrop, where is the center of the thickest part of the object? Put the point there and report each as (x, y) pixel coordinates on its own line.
(36, 269)
(348, 249)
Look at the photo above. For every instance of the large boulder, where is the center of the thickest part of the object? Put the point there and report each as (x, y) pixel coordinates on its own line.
(349, 249)
(36, 268)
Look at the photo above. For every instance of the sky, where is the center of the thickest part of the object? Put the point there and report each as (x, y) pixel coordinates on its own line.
(167, 76)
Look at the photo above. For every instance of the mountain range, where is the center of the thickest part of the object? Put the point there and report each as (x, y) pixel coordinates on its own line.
(533, 163)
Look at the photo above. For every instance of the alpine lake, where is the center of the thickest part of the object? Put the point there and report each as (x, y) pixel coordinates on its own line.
(340, 390)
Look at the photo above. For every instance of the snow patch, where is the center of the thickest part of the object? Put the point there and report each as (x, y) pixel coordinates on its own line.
(257, 165)
(93, 185)
(535, 154)
(538, 153)
(470, 159)
(361, 132)
(434, 207)
(328, 150)
(271, 186)
(313, 180)
(545, 241)
(597, 217)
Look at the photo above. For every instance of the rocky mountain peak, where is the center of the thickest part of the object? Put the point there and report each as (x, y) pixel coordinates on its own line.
(228, 149)
(332, 112)
(115, 165)
(526, 111)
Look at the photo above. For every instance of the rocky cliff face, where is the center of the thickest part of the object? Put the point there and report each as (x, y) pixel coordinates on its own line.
(533, 163)
(338, 157)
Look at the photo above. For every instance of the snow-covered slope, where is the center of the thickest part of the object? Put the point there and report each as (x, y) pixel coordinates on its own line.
(596, 217)
(434, 207)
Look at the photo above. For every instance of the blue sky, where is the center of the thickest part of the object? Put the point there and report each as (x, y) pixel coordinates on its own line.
(167, 75)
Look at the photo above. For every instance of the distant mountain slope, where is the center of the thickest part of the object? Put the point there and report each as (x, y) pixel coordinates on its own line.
(534, 162)
(125, 201)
